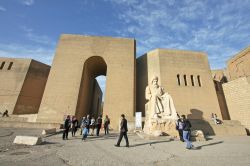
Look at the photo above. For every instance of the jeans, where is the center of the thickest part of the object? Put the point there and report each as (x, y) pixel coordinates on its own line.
(186, 137)
(85, 133)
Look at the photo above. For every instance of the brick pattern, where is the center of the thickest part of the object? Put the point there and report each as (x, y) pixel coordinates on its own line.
(237, 94)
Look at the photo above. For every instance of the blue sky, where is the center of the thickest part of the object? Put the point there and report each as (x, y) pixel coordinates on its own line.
(221, 28)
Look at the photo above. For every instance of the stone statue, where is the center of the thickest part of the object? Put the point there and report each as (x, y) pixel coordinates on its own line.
(160, 103)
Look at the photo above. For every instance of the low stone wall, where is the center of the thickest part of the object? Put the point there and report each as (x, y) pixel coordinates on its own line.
(228, 128)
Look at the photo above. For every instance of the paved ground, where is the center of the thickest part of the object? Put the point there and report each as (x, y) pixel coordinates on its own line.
(101, 151)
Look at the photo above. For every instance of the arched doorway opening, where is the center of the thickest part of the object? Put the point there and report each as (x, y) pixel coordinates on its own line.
(90, 93)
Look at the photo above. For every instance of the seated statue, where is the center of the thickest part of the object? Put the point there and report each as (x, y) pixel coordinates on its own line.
(160, 103)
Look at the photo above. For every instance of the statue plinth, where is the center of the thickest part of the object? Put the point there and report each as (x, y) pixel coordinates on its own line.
(159, 126)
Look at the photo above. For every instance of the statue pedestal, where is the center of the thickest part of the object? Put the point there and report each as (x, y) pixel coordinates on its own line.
(160, 127)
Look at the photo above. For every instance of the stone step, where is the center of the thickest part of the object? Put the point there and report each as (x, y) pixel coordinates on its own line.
(16, 124)
(228, 128)
(13, 118)
(228, 122)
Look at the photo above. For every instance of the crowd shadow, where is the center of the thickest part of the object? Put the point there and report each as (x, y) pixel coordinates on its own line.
(48, 143)
(210, 144)
(199, 123)
(11, 133)
(150, 143)
(100, 137)
(52, 134)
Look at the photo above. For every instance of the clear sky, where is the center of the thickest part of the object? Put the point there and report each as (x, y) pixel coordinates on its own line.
(221, 28)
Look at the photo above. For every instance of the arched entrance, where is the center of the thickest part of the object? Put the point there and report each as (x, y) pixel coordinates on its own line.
(90, 96)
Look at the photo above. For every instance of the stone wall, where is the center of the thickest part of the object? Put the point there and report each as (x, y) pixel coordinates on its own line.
(96, 100)
(32, 90)
(12, 79)
(22, 85)
(185, 75)
(237, 94)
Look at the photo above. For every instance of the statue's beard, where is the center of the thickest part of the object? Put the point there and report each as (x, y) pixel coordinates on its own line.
(155, 86)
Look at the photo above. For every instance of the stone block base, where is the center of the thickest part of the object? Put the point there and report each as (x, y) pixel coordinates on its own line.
(28, 140)
(161, 127)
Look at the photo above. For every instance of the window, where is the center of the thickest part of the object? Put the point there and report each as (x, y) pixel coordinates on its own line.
(192, 80)
(185, 80)
(2, 65)
(199, 80)
(10, 65)
(178, 79)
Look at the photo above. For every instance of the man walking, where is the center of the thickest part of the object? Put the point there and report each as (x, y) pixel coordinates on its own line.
(123, 131)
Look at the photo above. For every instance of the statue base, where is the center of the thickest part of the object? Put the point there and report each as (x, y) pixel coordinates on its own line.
(160, 127)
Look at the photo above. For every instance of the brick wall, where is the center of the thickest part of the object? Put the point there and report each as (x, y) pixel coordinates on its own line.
(237, 94)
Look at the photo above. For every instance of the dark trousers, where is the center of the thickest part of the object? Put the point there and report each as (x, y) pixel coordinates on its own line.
(123, 134)
(98, 127)
(106, 129)
(181, 134)
(65, 133)
(73, 131)
(5, 114)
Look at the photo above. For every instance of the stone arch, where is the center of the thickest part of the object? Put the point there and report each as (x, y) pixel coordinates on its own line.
(93, 67)
(67, 75)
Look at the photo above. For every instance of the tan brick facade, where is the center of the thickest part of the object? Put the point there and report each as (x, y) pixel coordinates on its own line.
(80, 59)
(239, 65)
(237, 94)
(22, 85)
(185, 75)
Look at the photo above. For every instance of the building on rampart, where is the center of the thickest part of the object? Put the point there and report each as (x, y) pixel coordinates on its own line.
(239, 65)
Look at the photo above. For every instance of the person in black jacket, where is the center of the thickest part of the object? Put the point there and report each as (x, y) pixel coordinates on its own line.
(98, 125)
(123, 131)
(187, 132)
(66, 127)
(74, 126)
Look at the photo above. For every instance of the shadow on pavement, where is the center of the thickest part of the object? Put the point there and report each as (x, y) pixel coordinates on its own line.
(150, 143)
(48, 143)
(11, 133)
(210, 144)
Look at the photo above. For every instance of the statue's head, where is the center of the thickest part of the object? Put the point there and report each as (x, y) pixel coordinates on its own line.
(154, 80)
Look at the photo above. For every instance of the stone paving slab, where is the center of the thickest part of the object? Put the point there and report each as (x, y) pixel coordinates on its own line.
(101, 151)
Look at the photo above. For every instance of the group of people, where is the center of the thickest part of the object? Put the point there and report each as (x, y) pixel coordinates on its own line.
(87, 126)
(183, 126)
